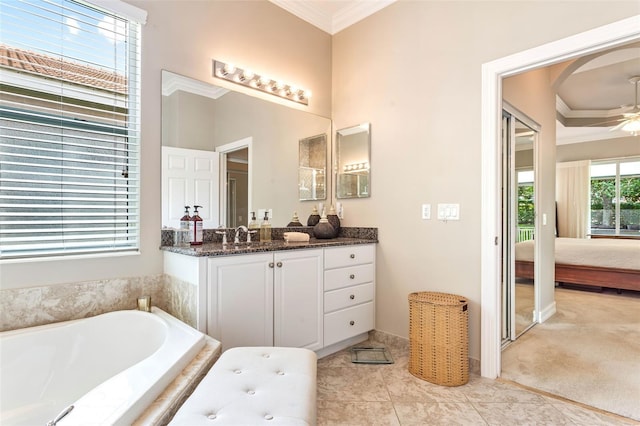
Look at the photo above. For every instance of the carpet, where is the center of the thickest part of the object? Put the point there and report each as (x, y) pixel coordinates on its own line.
(588, 352)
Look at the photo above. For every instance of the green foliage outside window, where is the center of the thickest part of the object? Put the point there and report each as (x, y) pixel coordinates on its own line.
(526, 211)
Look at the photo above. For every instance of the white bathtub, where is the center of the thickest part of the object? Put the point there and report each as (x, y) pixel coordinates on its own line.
(109, 367)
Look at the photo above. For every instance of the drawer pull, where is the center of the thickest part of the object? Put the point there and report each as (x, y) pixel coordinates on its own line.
(270, 264)
(353, 296)
(353, 256)
(279, 264)
(352, 322)
(352, 276)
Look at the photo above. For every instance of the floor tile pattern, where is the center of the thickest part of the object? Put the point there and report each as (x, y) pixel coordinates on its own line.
(387, 394)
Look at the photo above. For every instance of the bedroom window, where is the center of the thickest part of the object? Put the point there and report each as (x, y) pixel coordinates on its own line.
(69, 128)
(615, 197)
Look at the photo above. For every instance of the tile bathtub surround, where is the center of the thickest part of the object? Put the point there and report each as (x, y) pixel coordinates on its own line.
(167, 404)
(28, 307)
(387, 394)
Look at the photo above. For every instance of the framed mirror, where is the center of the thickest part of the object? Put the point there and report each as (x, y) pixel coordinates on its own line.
(257, 142)
(353, 169)
(312, 168)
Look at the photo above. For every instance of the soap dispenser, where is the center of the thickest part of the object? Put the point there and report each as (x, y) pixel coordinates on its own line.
(253, 223)
(265, 228)
(184, 237)
(196, 227)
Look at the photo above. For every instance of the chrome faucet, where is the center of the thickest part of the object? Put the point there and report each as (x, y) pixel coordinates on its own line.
(236, 240)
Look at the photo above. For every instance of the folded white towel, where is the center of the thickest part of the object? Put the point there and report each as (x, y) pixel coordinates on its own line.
(291, 237)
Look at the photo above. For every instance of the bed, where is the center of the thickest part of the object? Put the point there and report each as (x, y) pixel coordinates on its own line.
(601, 262)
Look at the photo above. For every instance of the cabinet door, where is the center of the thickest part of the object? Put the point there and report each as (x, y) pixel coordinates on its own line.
(298, 304)
(240, 300)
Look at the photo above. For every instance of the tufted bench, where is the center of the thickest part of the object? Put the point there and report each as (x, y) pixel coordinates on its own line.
(253, 386)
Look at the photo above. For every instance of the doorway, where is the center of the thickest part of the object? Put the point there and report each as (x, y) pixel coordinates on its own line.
(605, 37)
(519, 281)
(235, 183)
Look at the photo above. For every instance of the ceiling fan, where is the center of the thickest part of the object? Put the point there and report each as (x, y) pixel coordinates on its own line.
(631, 121)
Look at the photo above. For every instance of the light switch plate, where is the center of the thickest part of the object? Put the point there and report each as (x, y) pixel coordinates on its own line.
(448, 212)
(426, 211)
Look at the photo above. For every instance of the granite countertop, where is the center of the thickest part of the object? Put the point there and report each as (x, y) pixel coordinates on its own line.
(218, 249)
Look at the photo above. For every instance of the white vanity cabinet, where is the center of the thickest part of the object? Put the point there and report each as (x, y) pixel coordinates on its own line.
(266, 299)
(240, 300)
(349, 292)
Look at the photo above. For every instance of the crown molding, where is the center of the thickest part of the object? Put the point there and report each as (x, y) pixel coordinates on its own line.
(331, 23)
(567, 112)
(308, 12)
(173, 83)
(355, 12)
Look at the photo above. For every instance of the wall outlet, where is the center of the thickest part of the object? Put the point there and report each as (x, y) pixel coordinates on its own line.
(426, 211)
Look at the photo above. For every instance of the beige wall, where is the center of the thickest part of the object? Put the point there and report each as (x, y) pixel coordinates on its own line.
(414, 71)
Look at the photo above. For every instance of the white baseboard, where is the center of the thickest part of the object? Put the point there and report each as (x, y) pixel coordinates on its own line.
(547, 312)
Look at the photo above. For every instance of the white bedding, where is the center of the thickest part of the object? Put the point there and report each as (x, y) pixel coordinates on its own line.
(602, 252)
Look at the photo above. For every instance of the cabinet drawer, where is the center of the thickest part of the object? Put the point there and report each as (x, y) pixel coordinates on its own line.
(346, 297)
(345, 277)
(338, 257)
(341, 325)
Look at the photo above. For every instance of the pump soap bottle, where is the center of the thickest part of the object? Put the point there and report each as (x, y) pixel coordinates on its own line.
(183, 236)
(253, 224)
(265, 228)
(196, 227)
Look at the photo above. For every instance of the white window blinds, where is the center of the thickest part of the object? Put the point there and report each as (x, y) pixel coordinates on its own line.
(69, 129)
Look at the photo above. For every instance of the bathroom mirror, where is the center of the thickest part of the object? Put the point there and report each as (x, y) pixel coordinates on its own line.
(353, 172)
(201, 116)
(312, 168)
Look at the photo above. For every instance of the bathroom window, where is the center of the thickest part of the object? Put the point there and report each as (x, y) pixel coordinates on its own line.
(69, 128)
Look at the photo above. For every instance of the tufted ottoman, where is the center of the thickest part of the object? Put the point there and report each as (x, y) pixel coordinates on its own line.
(253, 386)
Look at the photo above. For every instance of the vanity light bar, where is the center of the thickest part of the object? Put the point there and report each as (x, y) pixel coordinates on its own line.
(265, 84)
(356, 167)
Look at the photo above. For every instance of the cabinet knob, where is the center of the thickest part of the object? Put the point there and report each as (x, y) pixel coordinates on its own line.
(353, 296)
(353, 256)
(279, 264)
(270, 264)
(352, 322)
(352, 276)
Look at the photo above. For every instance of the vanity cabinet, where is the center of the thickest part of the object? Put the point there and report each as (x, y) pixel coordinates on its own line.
(349, 292)
(266, 299)
(240, 300)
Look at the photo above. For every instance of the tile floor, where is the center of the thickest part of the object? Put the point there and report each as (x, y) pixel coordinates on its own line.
(374, 394)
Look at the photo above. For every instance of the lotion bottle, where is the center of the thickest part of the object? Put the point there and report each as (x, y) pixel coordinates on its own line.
(265, 228)
(196, 227)
(253, 223)
(184, 237)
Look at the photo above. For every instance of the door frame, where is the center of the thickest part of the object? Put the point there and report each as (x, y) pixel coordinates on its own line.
(591, 41)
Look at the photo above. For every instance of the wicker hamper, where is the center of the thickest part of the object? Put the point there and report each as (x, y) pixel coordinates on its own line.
(439, 338)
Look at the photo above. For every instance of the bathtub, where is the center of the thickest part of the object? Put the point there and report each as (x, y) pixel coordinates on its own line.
(109, 367)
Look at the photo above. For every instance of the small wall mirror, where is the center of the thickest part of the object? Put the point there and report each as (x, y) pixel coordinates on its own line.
(312, 168)
(353, 172)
